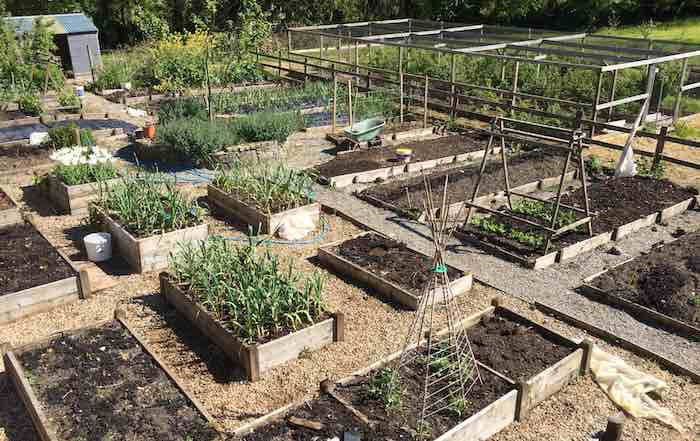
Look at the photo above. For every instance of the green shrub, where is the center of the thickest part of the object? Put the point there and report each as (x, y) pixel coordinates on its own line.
(385, 387)
(247, 289)
(268, 126)
(188, 107)
(85, 173)
(29, 103)
(67, 98)
(271, 187)
(147, 204)
(197, 140)
(64, 136)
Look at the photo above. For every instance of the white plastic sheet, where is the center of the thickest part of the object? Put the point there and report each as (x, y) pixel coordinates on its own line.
(626, 167)
(296, 227)
(628, 388)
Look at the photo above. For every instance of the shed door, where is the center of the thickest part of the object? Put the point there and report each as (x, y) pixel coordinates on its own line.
(79, 44)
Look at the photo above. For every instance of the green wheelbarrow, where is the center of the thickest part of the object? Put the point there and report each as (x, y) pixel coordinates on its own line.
(365, 131)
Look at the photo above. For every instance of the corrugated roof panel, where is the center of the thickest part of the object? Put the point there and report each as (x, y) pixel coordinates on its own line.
(61, 23)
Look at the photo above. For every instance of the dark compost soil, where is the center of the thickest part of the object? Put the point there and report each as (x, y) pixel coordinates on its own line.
(409, 194)
(28, 260)
(22, 156)
(514, 349)
(391, 260)
(620, 201)
(99, 383)
(399, 424)
(666, 280)
(5, 201)
(381, 157)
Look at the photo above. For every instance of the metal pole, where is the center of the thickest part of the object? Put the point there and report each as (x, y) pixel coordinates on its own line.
(612, 94)
(401, 96)
(357, 57)
(679, 95)
(320, 50)
(350, 102)
(515, 84)
(453, 73)
(335, 96)
(306, 70)
(652, 71)
(596, 101)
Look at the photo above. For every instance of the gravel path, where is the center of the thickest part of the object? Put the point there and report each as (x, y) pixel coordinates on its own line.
(552, 286)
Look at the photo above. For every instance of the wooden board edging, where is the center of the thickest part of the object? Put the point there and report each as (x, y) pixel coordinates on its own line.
(255, 358)
(26, 394)
(75, 199)
(12, 215)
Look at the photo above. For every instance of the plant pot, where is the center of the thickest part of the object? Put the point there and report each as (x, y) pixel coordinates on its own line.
(150, 132)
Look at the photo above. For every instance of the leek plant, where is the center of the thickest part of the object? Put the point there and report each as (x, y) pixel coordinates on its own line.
(269, 186)
(248, 289)
(77, 174)
(147, 204)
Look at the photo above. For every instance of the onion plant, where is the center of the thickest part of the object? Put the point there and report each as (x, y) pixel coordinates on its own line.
(269, 186)
(147, 204)
(247, 288)
(78, 174)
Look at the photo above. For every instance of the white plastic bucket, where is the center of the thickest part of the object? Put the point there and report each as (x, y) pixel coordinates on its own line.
(80, 91)
(98, 246)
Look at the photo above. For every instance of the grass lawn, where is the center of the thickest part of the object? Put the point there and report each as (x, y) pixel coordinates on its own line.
(687, 30)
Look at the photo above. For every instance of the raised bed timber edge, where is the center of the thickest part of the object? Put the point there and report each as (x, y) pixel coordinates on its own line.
(147, 150)
(75, 199)
(514, 405)
(640, 312)
(42, 298)
(10, 215)
(369, 176)
(255, 358)
(26, 393)
(570, 251)
(149, 253)
(379, 284)
(268, 223)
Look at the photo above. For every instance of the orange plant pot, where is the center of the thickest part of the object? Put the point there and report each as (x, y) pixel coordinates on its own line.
(149, 132)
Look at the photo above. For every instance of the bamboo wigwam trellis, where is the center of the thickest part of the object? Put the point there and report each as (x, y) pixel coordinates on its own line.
(606, 55)
(446, 359)
(529, 133)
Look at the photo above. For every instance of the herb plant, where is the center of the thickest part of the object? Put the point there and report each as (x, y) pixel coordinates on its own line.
(271, 187)
(147, 204)
(247, 288)
(385, 386)
(531, 240)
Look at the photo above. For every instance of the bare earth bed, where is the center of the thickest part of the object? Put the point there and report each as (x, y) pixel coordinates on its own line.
(666, 280)
(17, 157)
(99, 383)
(28, 260)
(409, 194)
(375, 158)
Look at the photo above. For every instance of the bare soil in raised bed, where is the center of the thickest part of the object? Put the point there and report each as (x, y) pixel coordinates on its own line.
(619, 201)
(381, 157)
(514, 349)
(5, 201)
(100, 383)
(28, 260)
(666, 280)
(409, 194)
(22, 156)
(391, 260)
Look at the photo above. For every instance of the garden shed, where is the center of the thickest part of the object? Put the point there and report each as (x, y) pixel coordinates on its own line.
(75, 35)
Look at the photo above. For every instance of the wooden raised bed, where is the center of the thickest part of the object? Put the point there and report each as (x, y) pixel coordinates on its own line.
(640, 312)
(42, 298)
(10, 215)
(254, 358)
(75, 199)
(147, 150)
(382, 286)
(149, 253)
(268, 223)
(45, 426)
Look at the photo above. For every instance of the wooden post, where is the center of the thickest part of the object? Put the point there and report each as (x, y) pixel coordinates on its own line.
(350, 115)
(77, 136)
(335, 96)
(515, 85)
(401, 93)
(612, 94)
(615, 427)
(596, 101)
(425, 103)
(289, 42)
(453, 73)
(208, 82)
(660, 144)
(320, 49)
(306, 70)
(92, 67)
(679, 94)
(357, 57)
(279, 64)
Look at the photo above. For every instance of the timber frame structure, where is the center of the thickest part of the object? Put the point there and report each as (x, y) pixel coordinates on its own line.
(605, 55)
